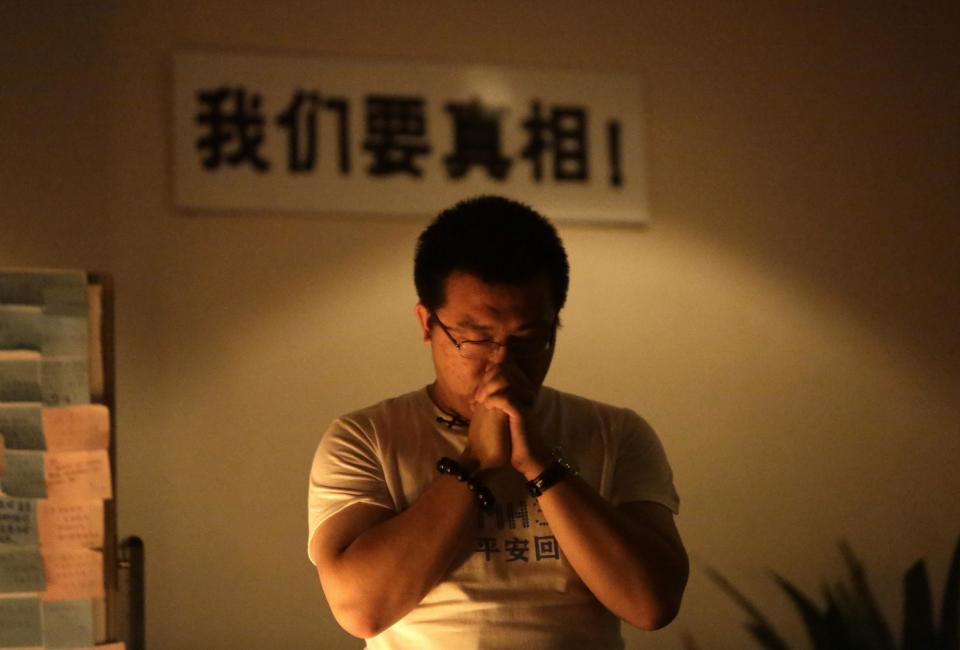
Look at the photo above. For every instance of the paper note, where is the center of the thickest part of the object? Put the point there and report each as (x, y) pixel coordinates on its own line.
(24, 476)
(70, 523)
(51, 524)
(27, 425)
(21, 327)
(68, 623)
(78, 475)
(22, 425)
(64, 334)
(26, 327)
(20, 376)
(73, 574)
(70, 475)
(64, 380)
(47, 288)
(73, 428)
(18, 521)
(21, 569)
(20, 622)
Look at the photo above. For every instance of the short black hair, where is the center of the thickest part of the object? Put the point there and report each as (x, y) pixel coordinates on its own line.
(498, 240)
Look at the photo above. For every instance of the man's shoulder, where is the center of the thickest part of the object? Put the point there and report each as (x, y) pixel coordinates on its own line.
(402, 406)
(571, 404)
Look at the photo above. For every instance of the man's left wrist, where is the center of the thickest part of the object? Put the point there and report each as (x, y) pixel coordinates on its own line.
(555, 471)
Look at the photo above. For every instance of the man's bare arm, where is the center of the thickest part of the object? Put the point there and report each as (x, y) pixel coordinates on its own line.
(630, 557)
(376, 565)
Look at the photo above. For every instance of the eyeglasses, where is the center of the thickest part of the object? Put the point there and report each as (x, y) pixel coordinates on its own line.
(519, 347)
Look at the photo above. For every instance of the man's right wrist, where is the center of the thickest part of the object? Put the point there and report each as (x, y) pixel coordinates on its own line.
(473, 480)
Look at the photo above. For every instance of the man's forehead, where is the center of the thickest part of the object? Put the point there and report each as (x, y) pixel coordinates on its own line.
(480, 305)
(481, 324)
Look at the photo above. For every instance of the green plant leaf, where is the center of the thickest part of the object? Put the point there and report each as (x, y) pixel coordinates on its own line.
(855, 625)
(760, 627)
(950, 608)
(833, 619)
(818, 630)
(853, 621)
(766, 636)
(918, 632)
(874, 626)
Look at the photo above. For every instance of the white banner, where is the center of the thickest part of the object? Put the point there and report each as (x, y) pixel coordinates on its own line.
(255, 132)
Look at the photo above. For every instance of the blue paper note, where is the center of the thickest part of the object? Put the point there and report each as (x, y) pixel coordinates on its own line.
(21, 569)
(22, 426)
(68, 624)
(64, 335)
(65, 381)
(20, 377)
(21, 327)
(20, 622)
(56, 290)
(25, 475)
(18, 521)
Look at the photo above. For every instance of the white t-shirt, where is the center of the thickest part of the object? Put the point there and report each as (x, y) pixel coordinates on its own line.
(512, 586)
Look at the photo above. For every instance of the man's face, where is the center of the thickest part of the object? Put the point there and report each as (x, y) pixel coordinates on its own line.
(476, 311)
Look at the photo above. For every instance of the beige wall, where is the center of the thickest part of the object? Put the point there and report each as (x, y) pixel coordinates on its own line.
(788, 322)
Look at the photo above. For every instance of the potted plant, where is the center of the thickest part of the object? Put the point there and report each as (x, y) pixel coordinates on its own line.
(848, 617)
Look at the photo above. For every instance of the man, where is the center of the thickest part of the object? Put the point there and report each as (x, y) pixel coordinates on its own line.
(486, 510)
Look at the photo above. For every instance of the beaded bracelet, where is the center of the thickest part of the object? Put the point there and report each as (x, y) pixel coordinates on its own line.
(484, 495)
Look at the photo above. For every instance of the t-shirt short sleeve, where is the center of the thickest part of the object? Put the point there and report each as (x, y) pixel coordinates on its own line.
(641, 471)
(346, 470)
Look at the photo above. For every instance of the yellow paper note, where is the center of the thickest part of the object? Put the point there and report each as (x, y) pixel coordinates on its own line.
(73, 574)
(75, 428)
(70, 523)
(78, 475)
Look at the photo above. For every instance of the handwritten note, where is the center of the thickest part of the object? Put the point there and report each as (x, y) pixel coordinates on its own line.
(22, 425)
(78, 475)
(20, 622)
(21, 569)
(18, 521)
(68, 623)
(73, 428)
(70, 523)
(73, 574)
(24, 476)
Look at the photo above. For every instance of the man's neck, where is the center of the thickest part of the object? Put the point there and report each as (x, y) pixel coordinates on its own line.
(447, 403)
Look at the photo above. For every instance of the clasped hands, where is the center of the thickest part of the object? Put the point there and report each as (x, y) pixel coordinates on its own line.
(499, 434)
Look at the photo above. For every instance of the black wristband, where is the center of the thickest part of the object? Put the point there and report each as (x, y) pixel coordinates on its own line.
(482, 492)
(555, 472)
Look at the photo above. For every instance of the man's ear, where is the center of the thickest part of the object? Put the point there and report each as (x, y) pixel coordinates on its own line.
(423, 317)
